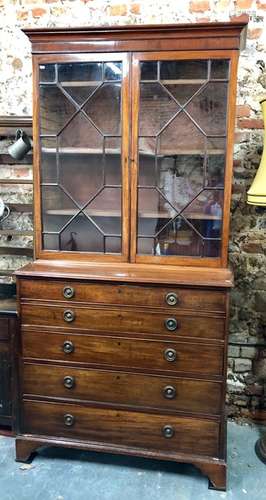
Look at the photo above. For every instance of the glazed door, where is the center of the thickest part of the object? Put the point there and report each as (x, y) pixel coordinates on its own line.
(182, 157)
(81, 140)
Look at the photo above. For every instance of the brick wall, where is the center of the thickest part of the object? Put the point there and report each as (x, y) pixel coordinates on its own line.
(247, 350)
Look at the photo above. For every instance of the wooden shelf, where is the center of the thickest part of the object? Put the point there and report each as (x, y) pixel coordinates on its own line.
(16, 251)
(81, 151)
(93, 212)
(16, 181)
(193, 81)
(85, 83)
(144, 215)
(168, 152)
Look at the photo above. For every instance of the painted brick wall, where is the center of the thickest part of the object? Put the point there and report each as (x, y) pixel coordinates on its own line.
(247, 350)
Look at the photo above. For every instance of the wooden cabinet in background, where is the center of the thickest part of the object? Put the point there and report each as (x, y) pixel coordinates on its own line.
(8, 326)
(124, 311)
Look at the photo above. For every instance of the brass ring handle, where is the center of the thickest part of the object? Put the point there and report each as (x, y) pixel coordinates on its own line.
(69, 419)
(171, 324)
(168, 431)
(69, 381)
(169, 392)
(68, 347)
(69, 316)
(170, 355)
(171, 299)
(68, 292)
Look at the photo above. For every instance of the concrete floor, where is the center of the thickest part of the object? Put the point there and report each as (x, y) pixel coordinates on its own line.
(60, 474)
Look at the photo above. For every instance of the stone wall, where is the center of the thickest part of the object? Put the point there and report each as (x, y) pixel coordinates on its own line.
(247, 350)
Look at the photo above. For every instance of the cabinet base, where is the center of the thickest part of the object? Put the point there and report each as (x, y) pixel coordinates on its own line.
(215, 470)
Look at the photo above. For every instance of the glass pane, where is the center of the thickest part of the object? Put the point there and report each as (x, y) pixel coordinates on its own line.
(112, 160)
(207, 208)
(80, 72)
(51, 241)
(112, 71)
(192, 70)
(182, 93)
(80, 93)
(181, 156)
(148, 70)
(83, 208)
(181, 136)
(112, 245)
(57, 208)
(103, 108)
(156, 108)
(81, 135)
(55, 109)
(208, 108)
(81, 236)
(219, 68)
(81, 176)
(215, 171)
(47, 73)
(105, 210)
(147, 161)
(80, 80)
(48, 160)
(145, 246)
(176, 238)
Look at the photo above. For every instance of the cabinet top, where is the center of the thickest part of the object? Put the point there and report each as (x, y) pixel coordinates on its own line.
(229, 35)
(128, 273)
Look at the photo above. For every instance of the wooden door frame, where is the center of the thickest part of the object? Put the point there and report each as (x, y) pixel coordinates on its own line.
(125, 86)
(138, 57)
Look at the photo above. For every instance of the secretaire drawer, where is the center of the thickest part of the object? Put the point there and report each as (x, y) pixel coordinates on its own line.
(118, 320)
(117, 387)
(173, 298)
(124, 352)
(135, 429)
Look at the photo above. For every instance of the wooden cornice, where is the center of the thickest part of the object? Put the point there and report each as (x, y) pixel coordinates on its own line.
(144, 37)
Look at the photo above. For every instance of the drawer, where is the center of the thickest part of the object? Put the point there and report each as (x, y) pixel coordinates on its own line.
(118, 320)
(124, 428)
(123, 352)
(114, 387)
(173, 298)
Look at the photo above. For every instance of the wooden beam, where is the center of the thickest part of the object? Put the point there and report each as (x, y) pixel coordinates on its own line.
(9, 125)
(21, 207)
(6, 159)
(16, 181)
(16, 251)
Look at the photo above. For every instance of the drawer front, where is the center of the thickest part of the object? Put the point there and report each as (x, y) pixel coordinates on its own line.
(173, 298)
(117, 320)
(123, 352)
(134, 429)
(176, 394)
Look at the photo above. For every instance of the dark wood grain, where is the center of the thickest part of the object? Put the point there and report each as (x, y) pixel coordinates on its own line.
(122, 352)
(122, 320)
(201, 36)
(121, 427)
(211, 301)
(126, 389)
(119, 334)
(128, 273)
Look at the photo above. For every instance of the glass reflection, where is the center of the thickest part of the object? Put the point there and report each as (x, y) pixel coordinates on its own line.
(182, 157)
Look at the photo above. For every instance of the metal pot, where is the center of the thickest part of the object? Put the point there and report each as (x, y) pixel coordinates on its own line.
(4, 211)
